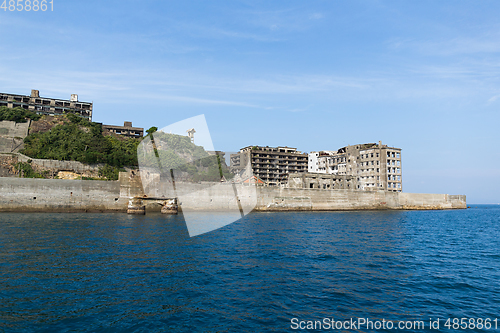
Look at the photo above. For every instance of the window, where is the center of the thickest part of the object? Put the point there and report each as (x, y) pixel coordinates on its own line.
(377, 154)
(397, 155)
(372, 154)
(399, 170)
(397, 163)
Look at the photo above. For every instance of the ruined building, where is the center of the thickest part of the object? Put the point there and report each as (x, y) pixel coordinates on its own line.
(125, 130)
(46, 105)
(373, 166)
(270, 164)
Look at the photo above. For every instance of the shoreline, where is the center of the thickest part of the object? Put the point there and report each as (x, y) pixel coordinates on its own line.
(57, 195)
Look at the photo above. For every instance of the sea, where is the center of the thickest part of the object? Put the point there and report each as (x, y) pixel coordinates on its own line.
(356, 271)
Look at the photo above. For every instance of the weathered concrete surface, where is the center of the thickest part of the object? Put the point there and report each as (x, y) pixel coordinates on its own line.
(272, 199)
(12, 135)
(316, 199)
(58, 195)
(431, 201)
(18, 194)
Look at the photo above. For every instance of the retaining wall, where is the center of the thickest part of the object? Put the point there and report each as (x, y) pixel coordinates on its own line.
(59, 195)
(12, 135)
(23, 194)
(60, 165)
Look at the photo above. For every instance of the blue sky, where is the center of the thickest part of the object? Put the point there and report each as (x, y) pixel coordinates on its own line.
(316, 75)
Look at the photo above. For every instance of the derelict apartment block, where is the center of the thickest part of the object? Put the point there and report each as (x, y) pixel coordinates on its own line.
(373, 166)
(126, 130)
(270, 164)
(46, 105)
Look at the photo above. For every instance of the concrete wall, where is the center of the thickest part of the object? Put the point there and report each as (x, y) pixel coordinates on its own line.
(431, 201)
(12, 135)
(23, 194)
(316, 199)
(60, 165)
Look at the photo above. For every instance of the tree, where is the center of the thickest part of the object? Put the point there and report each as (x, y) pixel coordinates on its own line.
(151, 130)
(19, 115)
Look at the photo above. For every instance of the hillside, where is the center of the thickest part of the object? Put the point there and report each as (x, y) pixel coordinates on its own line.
(189, 161)
(72, 138)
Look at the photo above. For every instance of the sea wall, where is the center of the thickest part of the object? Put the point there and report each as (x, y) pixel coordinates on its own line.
(23, 194)
(59, 195)
(271, 199)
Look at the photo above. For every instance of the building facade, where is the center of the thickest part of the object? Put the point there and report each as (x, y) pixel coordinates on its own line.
(321, 181)
(125, 130)
(46, 105)
(270, 164)
(374, 166)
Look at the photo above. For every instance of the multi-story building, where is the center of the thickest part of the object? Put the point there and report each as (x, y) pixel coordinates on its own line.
(270, 164)
(374, 166)
(125, 130)
(46, 105)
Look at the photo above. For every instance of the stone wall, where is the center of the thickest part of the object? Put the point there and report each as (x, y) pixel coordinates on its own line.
(49, 167)
(56, 165)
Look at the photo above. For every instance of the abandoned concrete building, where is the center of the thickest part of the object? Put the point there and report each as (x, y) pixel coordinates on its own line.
(321, 181)
(374, 166)
(270, 164)
(125, 130)
(46, 105)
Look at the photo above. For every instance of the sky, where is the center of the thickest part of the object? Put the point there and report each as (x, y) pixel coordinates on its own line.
(422, 76)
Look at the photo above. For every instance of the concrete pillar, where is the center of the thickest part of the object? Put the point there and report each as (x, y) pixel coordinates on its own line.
(169, 206)
(136, 206)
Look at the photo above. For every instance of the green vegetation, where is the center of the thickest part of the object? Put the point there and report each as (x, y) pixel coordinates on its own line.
(77, 139)
(82, 141)
(26, 171)
(178, 153)
(151, 130)
(19, 115)
(109, 172)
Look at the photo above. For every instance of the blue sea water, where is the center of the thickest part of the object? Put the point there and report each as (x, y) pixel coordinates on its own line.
(122, 273)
